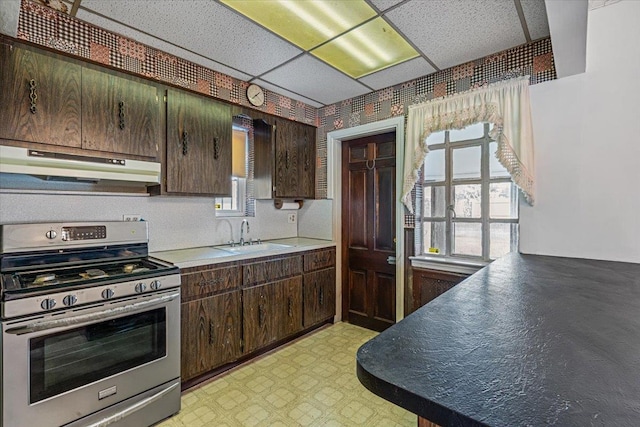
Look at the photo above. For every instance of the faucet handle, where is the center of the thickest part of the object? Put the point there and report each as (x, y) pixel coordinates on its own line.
(231, 243)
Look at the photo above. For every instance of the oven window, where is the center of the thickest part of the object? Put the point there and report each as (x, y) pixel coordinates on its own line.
(80, 356)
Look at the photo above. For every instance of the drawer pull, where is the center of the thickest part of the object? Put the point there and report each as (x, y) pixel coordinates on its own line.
(185, 143)
(121, 114)
(33, 95)
(260, 315)
(211, 333)
(289, 307)
(321, 296)
(216, 148)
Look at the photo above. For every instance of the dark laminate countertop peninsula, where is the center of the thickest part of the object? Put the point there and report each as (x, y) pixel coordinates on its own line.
(527, 341)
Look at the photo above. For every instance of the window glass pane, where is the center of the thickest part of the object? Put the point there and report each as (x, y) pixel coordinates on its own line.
(503, 200)
(435, 138)
(434, 203)
(434, 237)
(467, 200)
(496, 170)
(470, 132)
(466, 162)
(434, 166)
(467, 239)
(503, 239)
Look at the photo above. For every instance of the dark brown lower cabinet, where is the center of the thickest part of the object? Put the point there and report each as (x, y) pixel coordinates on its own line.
(429, 284)
(271, 312)
(210, 331)
(319, 296)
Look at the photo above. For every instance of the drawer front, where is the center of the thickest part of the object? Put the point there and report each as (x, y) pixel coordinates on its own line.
(319, 259)
(204, 283)
(268, 271)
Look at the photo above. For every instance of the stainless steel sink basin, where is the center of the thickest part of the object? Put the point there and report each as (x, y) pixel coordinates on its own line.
(254, 248)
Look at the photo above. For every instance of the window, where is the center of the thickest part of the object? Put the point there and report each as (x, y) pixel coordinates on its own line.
(469, 205)
(236, 204)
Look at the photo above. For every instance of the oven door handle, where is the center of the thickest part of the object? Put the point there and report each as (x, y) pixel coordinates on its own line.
(84, 318)
(133, 408)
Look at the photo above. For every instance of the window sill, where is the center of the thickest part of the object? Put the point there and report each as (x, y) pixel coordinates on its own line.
(449, 264)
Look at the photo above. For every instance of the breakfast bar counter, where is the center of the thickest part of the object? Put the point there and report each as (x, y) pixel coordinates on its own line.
(528, 340)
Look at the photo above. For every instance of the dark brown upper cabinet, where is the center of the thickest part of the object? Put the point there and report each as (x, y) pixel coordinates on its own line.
(41, 97)
(285, 159)
(120, 114)
(198, 145)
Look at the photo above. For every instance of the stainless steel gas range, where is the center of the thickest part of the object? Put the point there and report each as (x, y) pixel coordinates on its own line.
(90, 326)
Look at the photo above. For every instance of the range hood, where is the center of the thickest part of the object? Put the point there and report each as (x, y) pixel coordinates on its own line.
(82, 168)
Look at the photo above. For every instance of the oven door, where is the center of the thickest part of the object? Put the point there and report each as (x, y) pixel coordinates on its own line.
(57, 369)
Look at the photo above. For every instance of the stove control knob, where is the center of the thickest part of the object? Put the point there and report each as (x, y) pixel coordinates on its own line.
(51, 234)
(107, 293)
(48, 303)
(155, 285)
(141, 287)
(70, 300)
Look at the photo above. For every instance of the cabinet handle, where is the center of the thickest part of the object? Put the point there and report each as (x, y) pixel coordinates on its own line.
(33, 95)
(321, 296)
(211, 333)
(210, 282)
(290, 307)
(260, 315)
(287, 159)
(185, 143)
(216, 148)
(121, 113)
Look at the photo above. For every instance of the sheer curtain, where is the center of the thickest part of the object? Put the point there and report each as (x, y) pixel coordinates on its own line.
(505, 105)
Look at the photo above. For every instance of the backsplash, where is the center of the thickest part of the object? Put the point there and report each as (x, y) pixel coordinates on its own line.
(41, 25)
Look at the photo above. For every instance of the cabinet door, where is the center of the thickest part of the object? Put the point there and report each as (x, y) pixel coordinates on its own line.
(259, 315)
(319, 296)
(198, 145)
(429, 284)
(119, 115)
(41, 98)
(307, 165)
(289, 302)
(210, 333)
(286, 166)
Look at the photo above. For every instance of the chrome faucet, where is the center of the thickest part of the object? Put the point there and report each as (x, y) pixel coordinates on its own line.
(244, 221)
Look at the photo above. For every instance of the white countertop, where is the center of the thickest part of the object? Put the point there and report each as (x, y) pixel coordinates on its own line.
(204, 255)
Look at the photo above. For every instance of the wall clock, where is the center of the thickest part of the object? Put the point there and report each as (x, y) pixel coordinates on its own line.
(255, 95)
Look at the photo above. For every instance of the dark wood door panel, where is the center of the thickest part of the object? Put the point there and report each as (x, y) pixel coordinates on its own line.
(385, 298)
(259, 316)
(385, 218)
(271, 270)
(358, 291)
(358, 184)
(319, 296)
(47, 111)
(199, 284)
(290, 306)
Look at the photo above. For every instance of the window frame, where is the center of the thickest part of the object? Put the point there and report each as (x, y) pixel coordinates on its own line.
(240, 194)
(450, 219)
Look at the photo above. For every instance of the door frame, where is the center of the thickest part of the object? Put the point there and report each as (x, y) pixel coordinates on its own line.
(334, 192)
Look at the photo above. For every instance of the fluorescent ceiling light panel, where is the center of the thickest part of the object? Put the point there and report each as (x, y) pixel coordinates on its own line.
(366, 49)
(306, 24)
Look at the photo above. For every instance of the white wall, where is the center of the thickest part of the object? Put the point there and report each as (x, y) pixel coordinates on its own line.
(174, 222)
(587, 136)
(315, 219)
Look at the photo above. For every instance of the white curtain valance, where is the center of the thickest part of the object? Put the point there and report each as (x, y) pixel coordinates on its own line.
(505, 105)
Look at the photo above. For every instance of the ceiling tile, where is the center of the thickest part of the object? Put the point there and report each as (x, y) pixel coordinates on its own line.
(156, 43)
(401, 73)
(281, 91)
(202, 26)
(328, 85)
(452, 32)
(383, 5)
(535, 14)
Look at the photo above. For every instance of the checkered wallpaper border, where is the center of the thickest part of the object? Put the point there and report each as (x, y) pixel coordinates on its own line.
(41, 25)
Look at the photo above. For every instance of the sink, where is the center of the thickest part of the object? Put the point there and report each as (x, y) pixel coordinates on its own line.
(253, 248)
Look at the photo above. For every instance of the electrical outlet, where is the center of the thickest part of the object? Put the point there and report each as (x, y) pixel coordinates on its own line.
(291, 218)
(131, 217)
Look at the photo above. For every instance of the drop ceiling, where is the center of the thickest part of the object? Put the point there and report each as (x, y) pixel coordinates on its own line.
(208, 32)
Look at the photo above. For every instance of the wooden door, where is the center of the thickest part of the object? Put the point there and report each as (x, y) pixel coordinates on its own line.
(368, 231)
(198, 145)
(210, 333)
(41, 98)
(319, 296)
(119, 115)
